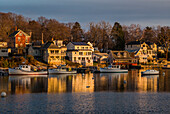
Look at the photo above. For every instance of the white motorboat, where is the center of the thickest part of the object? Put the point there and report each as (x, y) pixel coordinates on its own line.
(150, 72)
(62, 70)
(25, 70)
(113, 69)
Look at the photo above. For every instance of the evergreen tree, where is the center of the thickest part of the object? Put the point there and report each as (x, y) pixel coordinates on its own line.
(118, 36)
(77, 33)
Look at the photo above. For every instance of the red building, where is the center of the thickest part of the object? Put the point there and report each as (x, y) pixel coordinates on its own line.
(19, 40)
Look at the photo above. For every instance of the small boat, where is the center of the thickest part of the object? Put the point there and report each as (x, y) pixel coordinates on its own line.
(25, 70)
(62, 70)
(113, 69)
(150, 72)
(166, 66)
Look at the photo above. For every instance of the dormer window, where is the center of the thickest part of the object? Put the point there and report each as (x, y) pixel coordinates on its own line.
(20, 34)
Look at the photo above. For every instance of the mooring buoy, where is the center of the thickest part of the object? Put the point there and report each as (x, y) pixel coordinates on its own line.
(3, 94)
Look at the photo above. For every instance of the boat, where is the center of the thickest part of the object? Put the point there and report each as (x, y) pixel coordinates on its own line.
(113, 69)
(25, 70)
(150, 72)
(166, 66)
(62, 70)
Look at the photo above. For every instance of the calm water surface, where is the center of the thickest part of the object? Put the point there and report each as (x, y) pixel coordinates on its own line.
(103, 92)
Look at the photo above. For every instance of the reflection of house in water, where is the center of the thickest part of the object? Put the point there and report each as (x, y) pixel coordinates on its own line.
(57, 84)
(80, 83)
(28, 85)
(111, 81)
(4, 85)
(71, 83)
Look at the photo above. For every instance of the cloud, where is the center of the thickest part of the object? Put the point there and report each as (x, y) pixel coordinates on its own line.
(146, 12)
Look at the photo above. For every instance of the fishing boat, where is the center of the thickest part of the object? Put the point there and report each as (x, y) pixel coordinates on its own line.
(25, 70)
(113, 69)
(62, 70)
(150, 72)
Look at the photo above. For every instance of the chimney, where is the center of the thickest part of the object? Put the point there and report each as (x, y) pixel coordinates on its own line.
(42, 39)
(30, 34)
(15, 28)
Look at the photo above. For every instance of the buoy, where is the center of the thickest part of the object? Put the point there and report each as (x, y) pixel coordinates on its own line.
(124, 81)
(3, 94)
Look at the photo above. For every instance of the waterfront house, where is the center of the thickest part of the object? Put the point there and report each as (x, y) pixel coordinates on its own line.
(4, 50)
(121, 57)
(19, 40)
(80, 52)
(54, 52)
(145, 52)
(35, 49)
(100, 57)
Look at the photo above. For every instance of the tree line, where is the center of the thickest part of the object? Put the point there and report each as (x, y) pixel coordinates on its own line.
(102, 34)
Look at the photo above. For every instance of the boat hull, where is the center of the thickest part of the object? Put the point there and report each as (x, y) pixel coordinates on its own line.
(51, 71)
(21, 72)
(102, 70)
(152, 73)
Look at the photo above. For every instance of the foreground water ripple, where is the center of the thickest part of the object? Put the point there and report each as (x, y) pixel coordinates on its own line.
(98, 102)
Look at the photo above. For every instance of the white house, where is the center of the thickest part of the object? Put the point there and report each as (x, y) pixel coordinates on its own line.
(80, 52)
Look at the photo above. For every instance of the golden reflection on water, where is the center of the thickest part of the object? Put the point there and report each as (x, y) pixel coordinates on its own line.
(131, 81)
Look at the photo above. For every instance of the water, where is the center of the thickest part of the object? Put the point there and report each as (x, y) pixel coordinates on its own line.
(96, 93)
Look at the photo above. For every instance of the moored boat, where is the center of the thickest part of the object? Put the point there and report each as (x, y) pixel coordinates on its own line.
(166, 66)
(113, 69)
(25, 70)
(62, 70)
(150, 72)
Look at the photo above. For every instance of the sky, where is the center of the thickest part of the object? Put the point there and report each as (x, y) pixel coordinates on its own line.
(126, 12)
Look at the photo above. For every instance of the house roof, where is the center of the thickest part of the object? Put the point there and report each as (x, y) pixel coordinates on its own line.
(16, 32)
(138, 43)
(120, 55)
(79, 43)
(51, 45)
(133, 43)
(101, 54)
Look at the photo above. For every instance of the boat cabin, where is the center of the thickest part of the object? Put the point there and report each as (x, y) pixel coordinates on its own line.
(25, 67)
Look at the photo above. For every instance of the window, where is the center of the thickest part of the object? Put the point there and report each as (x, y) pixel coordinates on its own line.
(16, 45)
(80, 53)
(74, 58)
(26, 40)
(52, 51)
(20, 34)
(83, 58)
(86, 47)
(75, 52)
(89, 53)
(3, 50)
(87, 58)
(21, 44)
(56, 51)
(79, 58)
(52, 57)
(19, 38)
(82, 47)
(57, 57)
(77, 47)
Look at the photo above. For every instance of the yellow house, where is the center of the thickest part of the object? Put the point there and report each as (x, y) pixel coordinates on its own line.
(145, 52)
(54, 54)
(121, 57)
(80, 52)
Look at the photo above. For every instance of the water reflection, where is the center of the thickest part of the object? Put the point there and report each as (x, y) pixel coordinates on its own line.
(120, 82)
